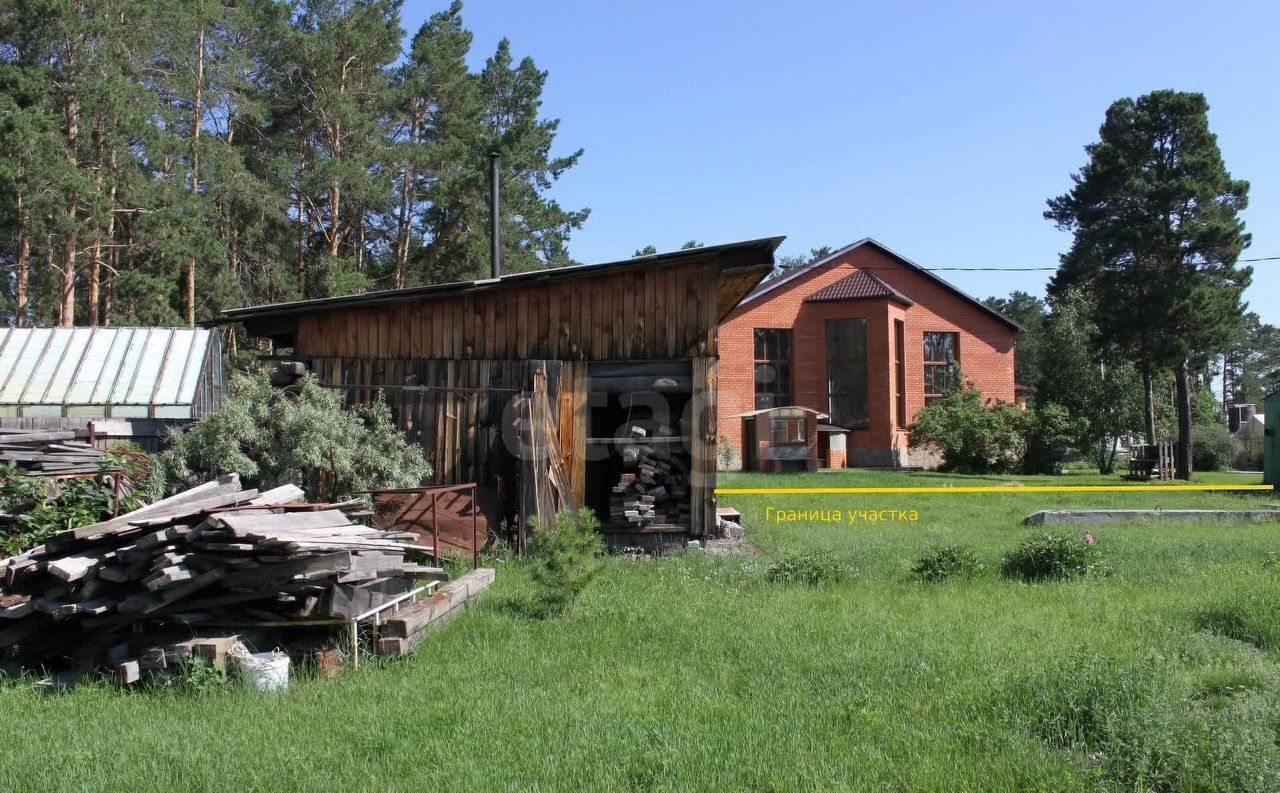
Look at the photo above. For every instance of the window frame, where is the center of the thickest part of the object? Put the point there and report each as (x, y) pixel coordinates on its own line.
(781, 365)
(863, 422)
(794, 424)
(931, 366)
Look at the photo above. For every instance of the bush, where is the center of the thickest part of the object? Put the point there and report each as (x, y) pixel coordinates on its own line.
(1048, 556)
(941, 562)
(726, 456)
(971, 436)
(812, 568)
(42, 507)
(1047, 431)
(564, 558)
(1213, 448)
(275, 436)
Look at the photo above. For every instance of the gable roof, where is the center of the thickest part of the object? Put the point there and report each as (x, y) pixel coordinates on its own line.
(770, 285)
(862, 285)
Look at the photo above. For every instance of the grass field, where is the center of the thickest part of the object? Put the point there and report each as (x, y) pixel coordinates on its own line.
(696, 672)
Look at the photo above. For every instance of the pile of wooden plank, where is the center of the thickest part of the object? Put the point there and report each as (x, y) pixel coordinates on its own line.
(50, 453)
(402, 632)
(653, 490)
(213, 559)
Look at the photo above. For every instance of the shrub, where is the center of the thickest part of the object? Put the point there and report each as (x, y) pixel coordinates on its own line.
(1047, 556)
(969, 435)
(726, 456)
(941, 562)
(564, 558)
(1047, 430)
(42, 507)
(1213, 448)
(812, 568)
(274, 436)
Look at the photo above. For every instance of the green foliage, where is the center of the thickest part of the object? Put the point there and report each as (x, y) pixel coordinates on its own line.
(1100, 391)
(198, 156)
(42, 507)
(970, 435)
(271, 437)
(1030, 312)
(1213, 448)
(564, 558)
(1157, 236)
(1047, 556)
(943, 562)
(1251, 365)
(1047, 429)
(199, 677)
(726, 455)
(810, 568)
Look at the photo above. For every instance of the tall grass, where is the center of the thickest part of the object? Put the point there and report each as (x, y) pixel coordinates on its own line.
(697, 672)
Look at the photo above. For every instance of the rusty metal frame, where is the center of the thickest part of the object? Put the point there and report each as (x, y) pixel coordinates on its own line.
(435, 491)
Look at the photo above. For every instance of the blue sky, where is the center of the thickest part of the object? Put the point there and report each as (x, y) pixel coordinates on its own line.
(939, 129)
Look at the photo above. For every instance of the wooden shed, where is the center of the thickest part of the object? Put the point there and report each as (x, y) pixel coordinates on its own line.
(625, 353)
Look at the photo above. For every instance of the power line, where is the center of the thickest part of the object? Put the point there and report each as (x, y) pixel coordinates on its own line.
(1049, 269)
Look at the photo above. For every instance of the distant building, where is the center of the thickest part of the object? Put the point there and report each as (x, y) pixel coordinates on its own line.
(865, 337)
(1250, 429)
(132, 383)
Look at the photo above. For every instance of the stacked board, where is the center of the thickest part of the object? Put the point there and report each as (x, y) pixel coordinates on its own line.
(212, 558)
(653, 488)
(52, 453)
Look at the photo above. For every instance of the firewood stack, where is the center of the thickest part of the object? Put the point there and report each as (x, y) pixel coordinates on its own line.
(653, 489)
(117, 593)
(53, 453)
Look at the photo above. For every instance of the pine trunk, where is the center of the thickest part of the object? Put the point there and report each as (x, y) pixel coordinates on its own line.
(404, 225)
(24, 267)
(195, 168)
(67, 310)
(1149, 405)
(71, 119)
(1182, 462)
(300, 272)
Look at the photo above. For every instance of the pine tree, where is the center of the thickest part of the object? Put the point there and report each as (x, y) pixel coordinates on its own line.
(1157, 234)
(535, 229)
(1028, 311)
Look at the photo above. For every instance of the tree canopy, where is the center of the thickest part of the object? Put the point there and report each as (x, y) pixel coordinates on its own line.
(161, 162)
(1157, 234)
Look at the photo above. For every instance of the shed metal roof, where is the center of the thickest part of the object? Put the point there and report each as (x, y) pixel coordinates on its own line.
(125, 372)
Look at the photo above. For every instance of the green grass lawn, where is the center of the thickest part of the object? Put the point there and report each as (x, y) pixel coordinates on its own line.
(696, 672)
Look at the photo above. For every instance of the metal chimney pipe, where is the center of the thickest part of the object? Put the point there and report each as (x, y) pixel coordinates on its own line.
(495, 215)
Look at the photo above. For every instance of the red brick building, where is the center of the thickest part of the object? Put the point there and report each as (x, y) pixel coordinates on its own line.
(864, 338)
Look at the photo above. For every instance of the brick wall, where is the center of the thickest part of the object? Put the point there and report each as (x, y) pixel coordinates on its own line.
(986, 350)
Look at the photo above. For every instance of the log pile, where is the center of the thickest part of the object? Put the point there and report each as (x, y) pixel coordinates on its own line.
(52, 453)
(217, 557)
(653, 489)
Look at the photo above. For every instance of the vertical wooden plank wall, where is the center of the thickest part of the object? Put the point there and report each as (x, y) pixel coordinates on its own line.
(663, 313)
(702, 509)
(452, 364)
